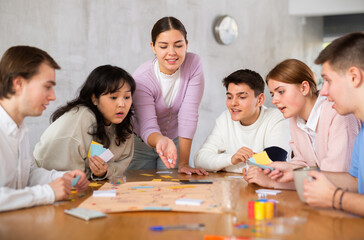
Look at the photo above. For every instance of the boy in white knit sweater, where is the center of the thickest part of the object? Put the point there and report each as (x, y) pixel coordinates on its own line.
(247, 127)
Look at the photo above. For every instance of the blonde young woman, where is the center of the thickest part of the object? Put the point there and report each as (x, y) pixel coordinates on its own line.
(319, 135)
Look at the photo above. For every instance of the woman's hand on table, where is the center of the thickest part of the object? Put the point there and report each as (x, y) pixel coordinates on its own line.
(282, 173)
(190, 170)
(257, 176)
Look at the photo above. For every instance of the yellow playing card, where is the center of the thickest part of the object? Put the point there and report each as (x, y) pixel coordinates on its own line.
(94, 184)
(166, 176)
(262, 158)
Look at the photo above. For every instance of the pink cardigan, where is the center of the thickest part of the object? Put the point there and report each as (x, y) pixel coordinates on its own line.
(335, 136)
(152, 114)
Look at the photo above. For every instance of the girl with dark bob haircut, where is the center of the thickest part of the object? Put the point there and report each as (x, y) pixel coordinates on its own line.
(102, 112)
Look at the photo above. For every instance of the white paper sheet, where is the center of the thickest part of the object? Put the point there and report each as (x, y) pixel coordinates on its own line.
(107, 155)
(104, 193)
(189, 201)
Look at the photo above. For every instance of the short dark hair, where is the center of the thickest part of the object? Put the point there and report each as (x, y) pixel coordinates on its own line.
(165, 24)
(21, 61)
(249, 77)
(102, 80)
(344, 52)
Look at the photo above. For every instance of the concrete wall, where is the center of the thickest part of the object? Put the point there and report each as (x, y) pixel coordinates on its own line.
(82, 35)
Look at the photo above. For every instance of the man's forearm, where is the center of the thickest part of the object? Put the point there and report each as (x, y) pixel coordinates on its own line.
(343, 180)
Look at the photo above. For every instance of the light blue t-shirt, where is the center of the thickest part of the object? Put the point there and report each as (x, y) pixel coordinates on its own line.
(357, 160)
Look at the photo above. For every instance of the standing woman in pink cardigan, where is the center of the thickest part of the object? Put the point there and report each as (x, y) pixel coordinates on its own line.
(319, 135)
(168, 93)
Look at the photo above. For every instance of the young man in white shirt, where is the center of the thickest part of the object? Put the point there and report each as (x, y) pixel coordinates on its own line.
(27, 77)
(247, 127)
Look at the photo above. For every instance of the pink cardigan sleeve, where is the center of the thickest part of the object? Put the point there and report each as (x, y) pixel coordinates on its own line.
(188, 113)
(144, 101)
(335, 136)
(299, 141)
(341, 136)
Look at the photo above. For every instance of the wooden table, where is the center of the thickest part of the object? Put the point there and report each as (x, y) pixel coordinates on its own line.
(295, 220)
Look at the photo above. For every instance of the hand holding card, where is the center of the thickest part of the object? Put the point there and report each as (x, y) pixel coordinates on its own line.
(261, 160)
(98, 150)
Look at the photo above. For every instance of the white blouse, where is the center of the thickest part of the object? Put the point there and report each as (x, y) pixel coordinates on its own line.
(169, 84)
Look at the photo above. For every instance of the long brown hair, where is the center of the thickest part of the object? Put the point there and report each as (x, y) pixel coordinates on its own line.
(102, 80)
(293, 71)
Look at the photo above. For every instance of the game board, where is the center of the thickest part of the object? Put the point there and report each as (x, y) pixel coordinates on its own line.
(153, 196)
